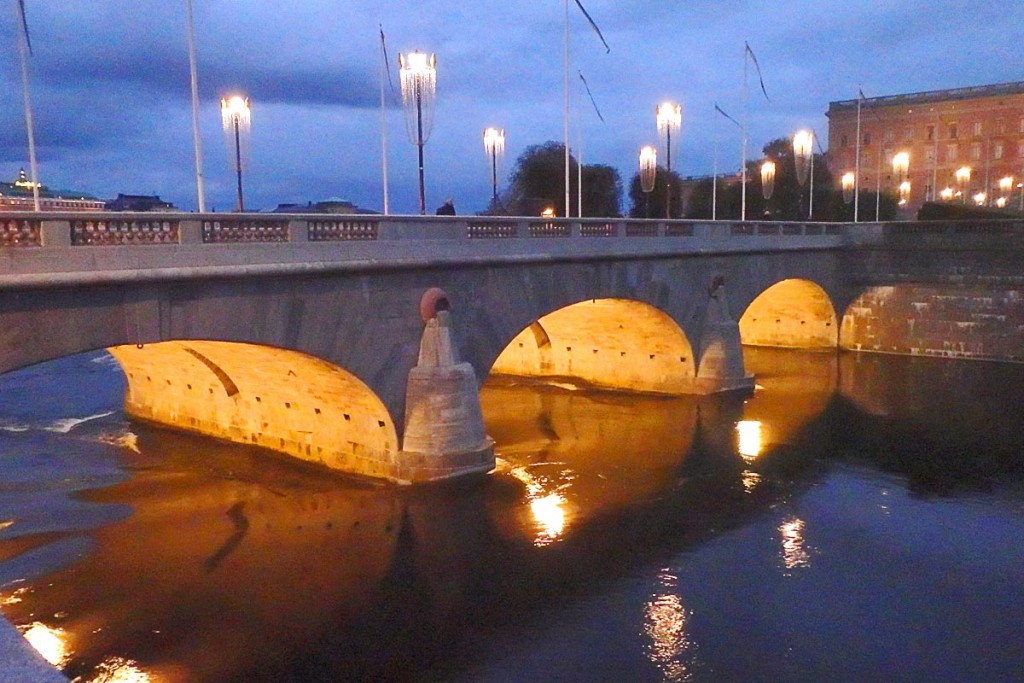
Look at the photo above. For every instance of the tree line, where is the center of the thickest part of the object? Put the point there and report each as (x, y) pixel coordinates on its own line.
(537, 183)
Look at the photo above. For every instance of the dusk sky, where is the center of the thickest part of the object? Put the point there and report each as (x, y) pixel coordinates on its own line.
(110, 85)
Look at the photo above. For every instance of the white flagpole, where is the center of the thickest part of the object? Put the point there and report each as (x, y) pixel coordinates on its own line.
(196, 140)
(383, 128)
(568, 212)
(27, 101)
(856, 166)
(714, 170)
(743, 162)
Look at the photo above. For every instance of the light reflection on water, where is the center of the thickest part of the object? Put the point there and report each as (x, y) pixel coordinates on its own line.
(235, 566)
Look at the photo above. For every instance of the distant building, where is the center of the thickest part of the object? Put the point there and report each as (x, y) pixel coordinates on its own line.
(979, 129)
(139, 202)
(331, 206)
(19, 196)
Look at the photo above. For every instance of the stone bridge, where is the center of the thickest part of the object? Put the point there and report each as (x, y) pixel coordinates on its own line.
(358, 342)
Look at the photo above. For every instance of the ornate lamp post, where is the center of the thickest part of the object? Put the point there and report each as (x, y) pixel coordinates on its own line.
(848, 180)
(494, 146)
(419, 87)
(803, 143)
(767, 182)
(237, 122)
(670, 117)
(963, 180)
(648, 173)
(900, 164)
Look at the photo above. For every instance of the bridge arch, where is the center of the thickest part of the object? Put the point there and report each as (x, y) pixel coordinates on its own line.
(609, 343)
(280, 399)
(792, 313)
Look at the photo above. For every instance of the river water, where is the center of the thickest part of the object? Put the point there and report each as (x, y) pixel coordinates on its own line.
(858, 517)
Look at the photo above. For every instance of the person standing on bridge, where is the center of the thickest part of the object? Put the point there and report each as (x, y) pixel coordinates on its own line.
(446, 209)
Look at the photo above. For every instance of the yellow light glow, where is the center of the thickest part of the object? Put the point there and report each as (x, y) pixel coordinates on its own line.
(848, 180)
(963, 175)
(1001, 202)
(946, 193)
(418, 63)
(648, 167)
(548, 213)
(48, 642)
(670, 116)
(118, 670)
(900, 163)
(550, 516)
(749, 443)
(904, 191)
(802, 143)
(980, 198)
(1006, 184)
(235, 106)
(494, 141)
(793, 552)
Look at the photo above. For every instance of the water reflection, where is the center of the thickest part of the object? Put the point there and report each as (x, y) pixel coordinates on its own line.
(665, 623)
(49, 642)
(222, 564)
(794, 554)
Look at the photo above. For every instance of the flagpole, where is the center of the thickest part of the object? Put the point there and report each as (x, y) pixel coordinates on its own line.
(383, 125)
(27, 102)
(565, 113)
(856, 165)
(743, 162)
(714, 167)
(196, 141)
(579, 156)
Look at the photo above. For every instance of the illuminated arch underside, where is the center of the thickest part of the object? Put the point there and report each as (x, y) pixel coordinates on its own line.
(609, 343)
(795, 314)
(282, 400)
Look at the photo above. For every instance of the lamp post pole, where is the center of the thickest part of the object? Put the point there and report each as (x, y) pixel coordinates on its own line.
(419, 73)
(669, 117)
(236, 119)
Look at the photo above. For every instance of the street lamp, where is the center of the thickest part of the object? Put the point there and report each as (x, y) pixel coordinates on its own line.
(648, 173)
(419, 87)
(803, 143)
(236, 119)
(904, 189)
(767, 179)
(1006, 189)
(494, 146)
(963, 179)
(670, 117)
(848, 181)
(900, 165)
(980, 198)
(946, 194)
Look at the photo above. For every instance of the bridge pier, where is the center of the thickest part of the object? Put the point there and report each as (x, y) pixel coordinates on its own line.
(721, 365)
(444, 427)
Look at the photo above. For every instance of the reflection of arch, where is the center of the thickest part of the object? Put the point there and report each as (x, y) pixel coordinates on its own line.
(792, 313)
(611, 343)
(279, 399)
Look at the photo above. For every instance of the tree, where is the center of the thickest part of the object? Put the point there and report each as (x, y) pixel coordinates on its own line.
(538, 182)
(652, 204)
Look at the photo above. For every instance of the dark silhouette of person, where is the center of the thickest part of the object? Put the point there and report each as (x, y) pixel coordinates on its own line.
(446, 209)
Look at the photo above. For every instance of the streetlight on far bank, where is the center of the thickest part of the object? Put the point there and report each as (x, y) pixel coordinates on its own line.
(237, 122)
(900, 166)
(767, 180)
(963, 180)
(848, 181)
(648, 174)
(803, 143)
